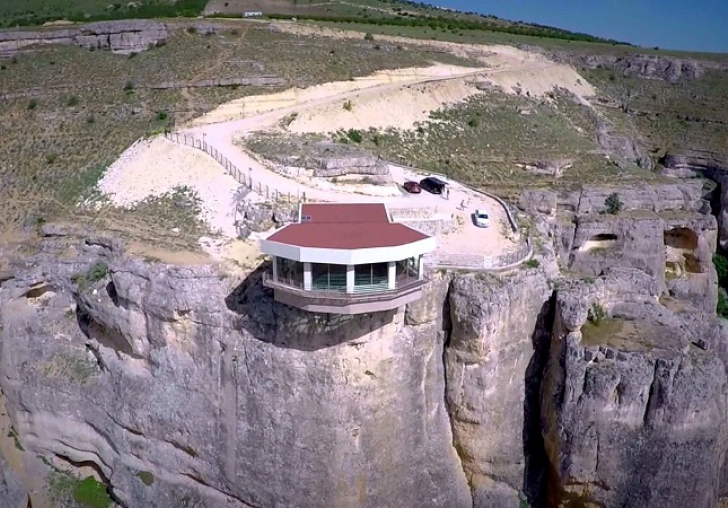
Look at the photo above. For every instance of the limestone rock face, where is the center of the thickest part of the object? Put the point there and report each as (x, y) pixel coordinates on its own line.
(661, 67)
(633, 409)
(220, 396)
(678, 252)
(493, 323)
(12, 492)
(657, 198)
(128, 36)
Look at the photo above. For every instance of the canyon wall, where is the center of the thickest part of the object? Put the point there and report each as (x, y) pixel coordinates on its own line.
(221, 396)
(189, 386)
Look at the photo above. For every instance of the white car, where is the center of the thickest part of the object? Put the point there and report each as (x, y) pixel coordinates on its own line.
(481, 218)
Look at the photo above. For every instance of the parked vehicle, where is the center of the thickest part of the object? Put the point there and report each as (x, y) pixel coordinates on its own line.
(481, 218)
(433, 185)
(412, 187)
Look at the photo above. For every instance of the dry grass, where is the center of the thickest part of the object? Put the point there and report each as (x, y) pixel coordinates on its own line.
(482, 141)
(81, 118)
(682, 116)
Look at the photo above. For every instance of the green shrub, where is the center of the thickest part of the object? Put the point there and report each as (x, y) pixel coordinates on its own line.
(368, 36)
(348, 105)
(51, 158)
(146, 477)
(721, 267)
(354, 135)
(90, 119)
(162, 115)
(191, 29)
(722, 308)
(532, 263)
(613, 203)
(98, 271)
(3, 67)
(32, 104)
(90, 493)
(129, 86)
(72, 101)
(596, 314)
(473, 122)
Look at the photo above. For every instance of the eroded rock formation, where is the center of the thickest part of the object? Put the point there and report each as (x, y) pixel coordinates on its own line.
(222, 396)
(634, 405)
(129, 36)
(190, 386)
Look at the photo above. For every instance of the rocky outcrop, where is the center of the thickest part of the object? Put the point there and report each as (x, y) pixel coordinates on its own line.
(666, 68)
(129, 36)
(493, 322)
(12, 492)
(633, 405)
(683, 195)
(262, 216)
(256, 81)
(663, 230)
(185, 388)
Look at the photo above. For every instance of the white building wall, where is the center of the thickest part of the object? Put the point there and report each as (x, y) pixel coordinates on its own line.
(349, 256)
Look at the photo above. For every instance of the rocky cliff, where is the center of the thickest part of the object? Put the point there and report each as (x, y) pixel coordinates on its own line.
(190, 386)
(130, 36)
(182, 388)
(634, 403)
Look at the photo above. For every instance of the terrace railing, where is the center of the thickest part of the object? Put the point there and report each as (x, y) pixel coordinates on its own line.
(363, 294)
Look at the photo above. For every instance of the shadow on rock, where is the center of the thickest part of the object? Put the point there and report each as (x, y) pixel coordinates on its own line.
(535, 475)
(275, 323)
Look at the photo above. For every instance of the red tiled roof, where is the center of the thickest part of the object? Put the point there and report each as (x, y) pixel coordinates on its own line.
(346, 226)
(344, 212)
(347, 236)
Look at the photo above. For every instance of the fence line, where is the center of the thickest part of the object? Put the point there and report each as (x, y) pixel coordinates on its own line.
(239, 176)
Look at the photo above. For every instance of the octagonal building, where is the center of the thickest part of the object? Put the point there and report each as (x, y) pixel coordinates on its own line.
(345, 258)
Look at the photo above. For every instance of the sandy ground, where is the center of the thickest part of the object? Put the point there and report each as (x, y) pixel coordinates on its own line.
(255, 105)
(158, 166)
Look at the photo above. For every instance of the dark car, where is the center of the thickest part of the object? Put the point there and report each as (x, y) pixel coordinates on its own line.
(433, 185)
(412, 187)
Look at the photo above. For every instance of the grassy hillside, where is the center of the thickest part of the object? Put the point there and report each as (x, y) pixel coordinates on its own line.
(370, 12)
(38, 12)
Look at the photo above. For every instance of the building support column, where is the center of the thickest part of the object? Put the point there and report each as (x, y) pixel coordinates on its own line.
(421, 267)
(307, 276)
(350, 278)
(392, 275)
(275, 268)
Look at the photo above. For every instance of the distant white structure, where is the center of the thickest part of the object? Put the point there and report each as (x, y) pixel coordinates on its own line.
(252, 14)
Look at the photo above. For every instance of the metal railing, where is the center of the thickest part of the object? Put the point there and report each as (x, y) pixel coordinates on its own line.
(246, 181)
(402, 286)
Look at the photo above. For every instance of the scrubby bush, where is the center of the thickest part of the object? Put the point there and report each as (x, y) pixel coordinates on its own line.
(596, 314)
(613, 203)
(354, 135)
(72, 101)
(368, 36)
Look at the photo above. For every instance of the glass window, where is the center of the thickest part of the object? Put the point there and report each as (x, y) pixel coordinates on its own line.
(290, 272)
(325, 277)
(371, 277)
